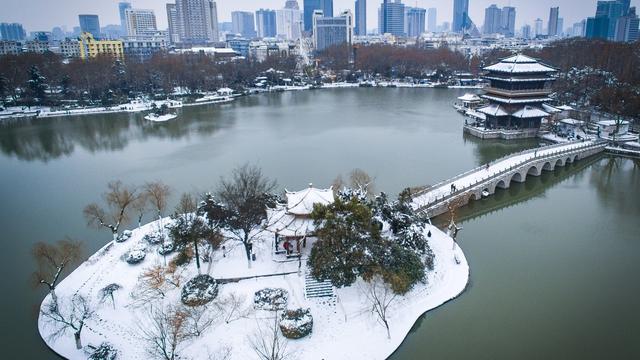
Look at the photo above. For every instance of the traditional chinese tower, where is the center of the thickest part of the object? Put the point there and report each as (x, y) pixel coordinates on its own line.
(519, 86)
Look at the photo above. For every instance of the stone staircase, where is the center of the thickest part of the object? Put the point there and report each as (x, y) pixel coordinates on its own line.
(317, 289)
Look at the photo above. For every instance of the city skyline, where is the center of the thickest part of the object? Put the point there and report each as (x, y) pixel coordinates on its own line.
(52, 13)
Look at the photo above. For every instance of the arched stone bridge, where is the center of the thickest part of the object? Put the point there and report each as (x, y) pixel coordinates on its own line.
(483, 181)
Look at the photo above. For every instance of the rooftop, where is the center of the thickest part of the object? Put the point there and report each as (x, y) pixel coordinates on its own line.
(520, 64)
(301, 202)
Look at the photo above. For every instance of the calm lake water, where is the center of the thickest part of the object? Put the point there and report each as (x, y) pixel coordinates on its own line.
(553, 261)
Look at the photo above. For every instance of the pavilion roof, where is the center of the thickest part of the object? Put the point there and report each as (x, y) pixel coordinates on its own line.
(301, 202)
(494, 110)
(529, 112)
(524, 100)
(469, 97)
(280, 221)
(520, 64)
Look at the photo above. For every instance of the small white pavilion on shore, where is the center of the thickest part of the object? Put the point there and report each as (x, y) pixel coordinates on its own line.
(291, 222)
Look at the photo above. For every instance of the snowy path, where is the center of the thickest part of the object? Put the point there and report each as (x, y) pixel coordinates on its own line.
(497, 167)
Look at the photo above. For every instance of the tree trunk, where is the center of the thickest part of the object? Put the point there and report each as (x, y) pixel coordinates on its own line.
(114, 233)
(247, 250)
(195, 245)
(54, 297)
(76, 335)
(386, 324)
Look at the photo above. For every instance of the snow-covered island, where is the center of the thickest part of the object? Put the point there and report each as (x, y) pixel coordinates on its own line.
(136, 287)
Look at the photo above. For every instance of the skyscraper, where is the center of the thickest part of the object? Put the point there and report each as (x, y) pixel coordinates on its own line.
(330, 31)
(198, 21)
(289, 21)
(361, 18)
(627, 26)
(538, 27)
(140, 22)
(508, 21)
(174, 23)
(578, 29)
(392, 18)
(432, 19)
(492, 20)
(243, 23)
(90, 24)
(122, 7)
(553, 21)
(12, 32)
(326, 6)
(266, 23)
(560, 31)
(415, 21)
(525, 32)
(460, 15)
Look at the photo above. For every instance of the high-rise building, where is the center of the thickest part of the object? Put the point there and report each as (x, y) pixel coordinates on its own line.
(330, 31)
(140, 22)
(414, 21)
(432, 20)
(361, 17)
(508, 19)
(553, 21)
(198, 21)
(243, 23)
(492, 20)
(392, 18)
(266, 23)
(12, 32)
(627, 26)
(538, 27)
(460, 15)
(174, 23)
(122, 7)
(560, 31)
(326, 6)
(597, 27)
(289, 21)
(525, 32)
(90, 24)
(90, 47)
(578, 29)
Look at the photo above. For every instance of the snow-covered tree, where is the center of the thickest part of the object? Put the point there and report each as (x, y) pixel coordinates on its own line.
(164, 332)
(119, 200)
(37, 85)
(246, 196)
(52, 259)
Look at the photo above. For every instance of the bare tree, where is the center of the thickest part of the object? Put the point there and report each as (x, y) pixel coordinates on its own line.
(69, 315)
(141, 206)
(199, 319)
(380, 297)
(267, 342)
(221, 353)
(164, 332)
(360, 180)
(246, 196)
(158, 194)
(154, 284)
(52, 259)
(233, 307)
(118, 199)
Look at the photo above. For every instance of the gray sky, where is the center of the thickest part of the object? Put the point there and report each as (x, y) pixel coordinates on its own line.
(44, 14)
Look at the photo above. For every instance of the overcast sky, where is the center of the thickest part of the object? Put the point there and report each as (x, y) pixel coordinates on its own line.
(38, 15)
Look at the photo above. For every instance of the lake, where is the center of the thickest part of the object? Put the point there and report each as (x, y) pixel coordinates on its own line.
(552, 260)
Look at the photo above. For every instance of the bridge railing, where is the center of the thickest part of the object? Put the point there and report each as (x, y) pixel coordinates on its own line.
(488, 179)
(460, 176)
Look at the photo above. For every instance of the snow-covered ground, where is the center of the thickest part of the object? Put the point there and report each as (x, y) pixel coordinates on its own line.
(473, 176)
(343, 329)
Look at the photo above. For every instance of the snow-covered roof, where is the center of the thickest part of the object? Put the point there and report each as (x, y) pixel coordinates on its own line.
(519, 64)
(565, 107)
(529, 112)
(280, 221)
(301, 202)
(550, 109)
(516, 79)
(516, 100)
(469, 97)
(494, 110)
(573, 122)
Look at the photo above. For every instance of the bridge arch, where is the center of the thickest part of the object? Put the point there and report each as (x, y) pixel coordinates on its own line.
(517, 177)
(547, 166)
(559, 162)
(502, 184)
(534, 170)
(569, 160)
(575, 157)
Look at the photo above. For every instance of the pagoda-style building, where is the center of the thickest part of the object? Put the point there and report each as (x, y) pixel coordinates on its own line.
(519, 86)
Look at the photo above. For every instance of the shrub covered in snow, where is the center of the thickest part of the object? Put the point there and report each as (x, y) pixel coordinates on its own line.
(199, 290)
(105, 351)
(153, 238)
(135, 256)
(296, 324)
(166, 248)
(271, 299)
(126, 235)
